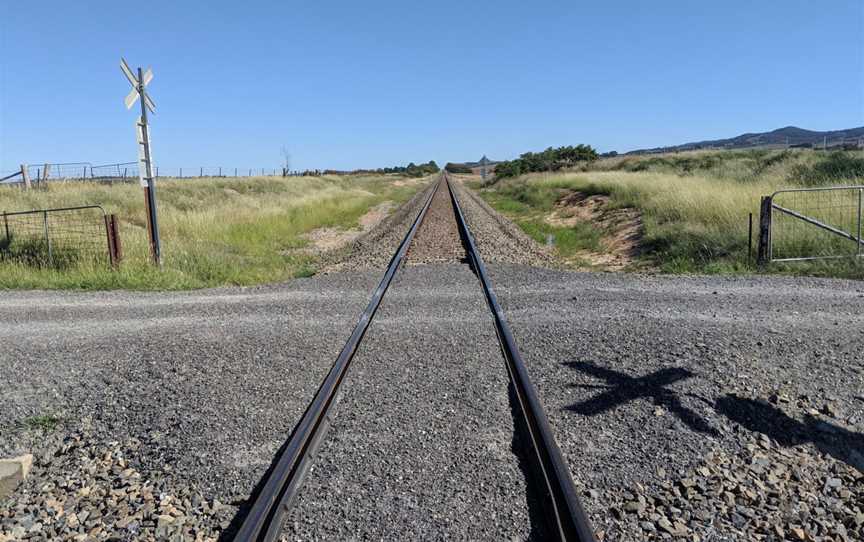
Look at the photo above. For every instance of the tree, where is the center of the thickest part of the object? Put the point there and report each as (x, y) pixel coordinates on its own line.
(551, 159)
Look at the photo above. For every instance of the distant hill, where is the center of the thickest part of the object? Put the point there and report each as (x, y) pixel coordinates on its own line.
(790, 135)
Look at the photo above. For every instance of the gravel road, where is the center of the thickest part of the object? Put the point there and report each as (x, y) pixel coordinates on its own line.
(199, 388)
(660, 386)
(690, 408)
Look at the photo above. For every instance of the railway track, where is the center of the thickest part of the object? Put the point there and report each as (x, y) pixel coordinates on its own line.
(549, 475)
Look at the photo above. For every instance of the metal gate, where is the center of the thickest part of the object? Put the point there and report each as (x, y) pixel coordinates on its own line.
(60, 237)
(811, 224)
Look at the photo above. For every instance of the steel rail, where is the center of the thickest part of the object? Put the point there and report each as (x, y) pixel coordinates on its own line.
(567, 518)
(264, 520)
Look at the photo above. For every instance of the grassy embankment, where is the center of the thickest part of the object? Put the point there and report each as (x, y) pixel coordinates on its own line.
(694, 205)
(214, 231)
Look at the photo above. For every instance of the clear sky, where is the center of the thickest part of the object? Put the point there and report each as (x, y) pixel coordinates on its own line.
(377, 83)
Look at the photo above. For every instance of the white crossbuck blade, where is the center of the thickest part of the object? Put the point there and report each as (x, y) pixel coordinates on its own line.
(133, 95)
(131, 98)
(128, 73)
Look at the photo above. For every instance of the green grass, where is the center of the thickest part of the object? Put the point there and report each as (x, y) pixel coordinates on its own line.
(214, 232)
(527, 203)
(694, 208)
(44, 422)
(567, 240)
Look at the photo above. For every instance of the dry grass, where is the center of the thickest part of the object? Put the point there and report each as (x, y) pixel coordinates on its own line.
(695, 206)
(214, 231)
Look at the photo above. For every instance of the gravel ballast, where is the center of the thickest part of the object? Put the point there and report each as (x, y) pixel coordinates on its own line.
(421, 444)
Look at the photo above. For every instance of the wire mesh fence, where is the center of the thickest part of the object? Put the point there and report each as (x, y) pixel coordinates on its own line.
(216, 171)
(56, 238)
(124, 171)
(817, 223)
(128, 172)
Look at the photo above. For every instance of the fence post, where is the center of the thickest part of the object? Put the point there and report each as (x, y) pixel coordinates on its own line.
(47, 237)
(109, 238)
(45, 170)
(235, 171)
(201, 173)
(115, 232)
(6, 227)
(112, 233)
(26, 175)
(750, 241)
(860, 205)
(764, 252)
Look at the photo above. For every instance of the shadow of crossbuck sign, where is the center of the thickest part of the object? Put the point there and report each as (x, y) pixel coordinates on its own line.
(621, 388)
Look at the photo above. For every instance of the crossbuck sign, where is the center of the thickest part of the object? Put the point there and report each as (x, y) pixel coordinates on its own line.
(139, 84)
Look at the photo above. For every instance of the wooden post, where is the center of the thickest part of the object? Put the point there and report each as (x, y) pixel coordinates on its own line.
(118, 246)
(764, 253)
(6, 228)
(750, 241)
(26, 176)
(115, 250)
(47, 237)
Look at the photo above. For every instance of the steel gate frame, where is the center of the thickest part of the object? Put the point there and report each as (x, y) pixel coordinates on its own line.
(766, 221)
(109, 222)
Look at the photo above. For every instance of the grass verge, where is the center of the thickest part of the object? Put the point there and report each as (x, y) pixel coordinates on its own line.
(694, 209)
(214, 232)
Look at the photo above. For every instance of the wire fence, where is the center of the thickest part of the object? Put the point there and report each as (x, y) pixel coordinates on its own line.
(818, 223)
(57, 238)
(129, 172)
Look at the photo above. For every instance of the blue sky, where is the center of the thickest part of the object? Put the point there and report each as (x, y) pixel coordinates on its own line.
(377, 83)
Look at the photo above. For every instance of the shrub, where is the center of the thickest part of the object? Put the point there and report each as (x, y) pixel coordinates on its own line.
(551, 159)
(457, 168)
(837, 166)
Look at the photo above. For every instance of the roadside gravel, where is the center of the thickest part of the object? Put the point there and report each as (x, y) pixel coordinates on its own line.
(203, 386)
(701, 408)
